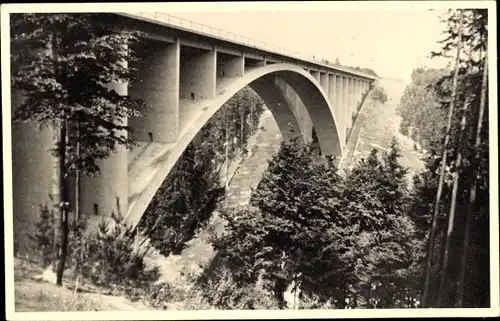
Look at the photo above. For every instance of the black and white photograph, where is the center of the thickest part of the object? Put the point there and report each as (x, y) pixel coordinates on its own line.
(250, 160)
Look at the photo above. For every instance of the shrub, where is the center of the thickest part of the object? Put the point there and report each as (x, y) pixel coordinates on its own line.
(217, 288)
(109, 257)
(43, 237)
(379, 94)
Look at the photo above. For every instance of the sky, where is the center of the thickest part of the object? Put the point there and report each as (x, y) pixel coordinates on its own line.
(391, 42)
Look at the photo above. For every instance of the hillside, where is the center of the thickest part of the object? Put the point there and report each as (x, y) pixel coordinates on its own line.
(380, 123)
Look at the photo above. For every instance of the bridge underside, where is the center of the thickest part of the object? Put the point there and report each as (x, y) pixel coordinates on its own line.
(184, 84)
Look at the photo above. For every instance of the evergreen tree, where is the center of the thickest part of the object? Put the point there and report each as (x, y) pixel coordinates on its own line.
(375, 201)
(285, 235)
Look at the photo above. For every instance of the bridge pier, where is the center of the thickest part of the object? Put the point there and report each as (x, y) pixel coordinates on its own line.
(332, 94)
(157, 84)
(338, 101)
(107, 192)
(32, 174)
(230, 66)
(323, 79)
(197, 73)
(352, 101)
(346, 114)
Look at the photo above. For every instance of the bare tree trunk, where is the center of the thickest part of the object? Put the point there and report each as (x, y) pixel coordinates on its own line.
(427, 273)
(451, 216)
(63, 208)
(473, 189)
(252, 113)
(227, 157)
(56, 189)
(77, 182)
(242, 126)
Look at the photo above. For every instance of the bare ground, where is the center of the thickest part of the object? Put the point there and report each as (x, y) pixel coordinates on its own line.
(33, 295)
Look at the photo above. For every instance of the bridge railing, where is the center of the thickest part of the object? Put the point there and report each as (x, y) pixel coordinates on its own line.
(213, 31)
(230, 36)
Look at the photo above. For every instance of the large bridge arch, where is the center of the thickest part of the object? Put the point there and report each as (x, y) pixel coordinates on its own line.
(150, 168)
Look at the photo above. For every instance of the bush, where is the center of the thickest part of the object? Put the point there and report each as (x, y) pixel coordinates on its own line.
(217, 288)
(379, 94)
(109, 257)
(43, 238)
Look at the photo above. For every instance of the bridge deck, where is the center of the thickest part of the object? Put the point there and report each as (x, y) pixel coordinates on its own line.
(242, 43)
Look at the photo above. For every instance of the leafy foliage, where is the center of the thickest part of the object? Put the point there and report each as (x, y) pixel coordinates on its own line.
(473, 170)
(276, 237)
(108, 257)
(63, 65)
(43, 238)
(376, 198)
(379, 94)
(216, 287)
(422, 119)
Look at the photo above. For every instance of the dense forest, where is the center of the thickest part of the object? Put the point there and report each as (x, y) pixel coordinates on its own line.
(360, 239)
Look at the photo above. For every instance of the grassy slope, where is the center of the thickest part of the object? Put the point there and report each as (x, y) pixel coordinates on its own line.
(37, 296)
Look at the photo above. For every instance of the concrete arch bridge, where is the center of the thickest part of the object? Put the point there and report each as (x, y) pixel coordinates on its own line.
(185, 76)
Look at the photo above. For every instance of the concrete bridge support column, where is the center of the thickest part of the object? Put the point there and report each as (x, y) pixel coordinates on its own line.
(332, 94)
(338, 106)
(315, 74)
(107, 192)
(358, 95)
(345, 111)
(352, 101)
(230, 66)
(198, 75)
(32, 174)
(347, 106)
(323, 79)
(158, 85)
